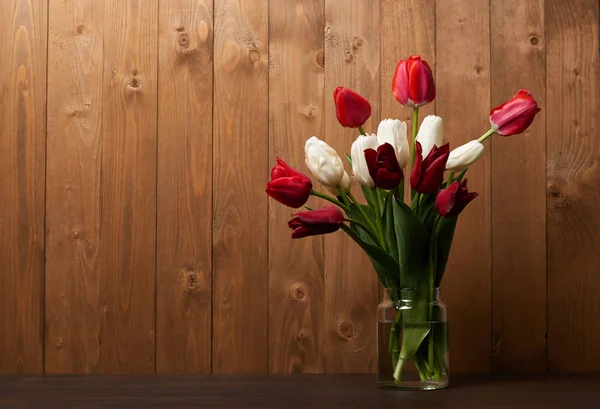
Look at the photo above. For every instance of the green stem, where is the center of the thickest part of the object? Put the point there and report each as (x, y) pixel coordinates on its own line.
(364, 227)
(418, 203)
(485, 135)
(415, 123)
(362, 131)
(432, 266)
(329, 199)
(450, 178)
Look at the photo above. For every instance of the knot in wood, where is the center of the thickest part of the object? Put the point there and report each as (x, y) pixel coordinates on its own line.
(183, 40)
(298, 292)
(534, 40)
(357, 42)
(191, 280)
(309, 111)
(134, 83)
(79, 29)
(321, 59)
(300, 336)
(254, 56)
(349, 57)
(347, 329)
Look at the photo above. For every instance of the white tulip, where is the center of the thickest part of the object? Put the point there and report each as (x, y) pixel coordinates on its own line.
(324, 162)
(346, 182)
(464, 156)
(359, 163)
(393, 131)
(430, 133)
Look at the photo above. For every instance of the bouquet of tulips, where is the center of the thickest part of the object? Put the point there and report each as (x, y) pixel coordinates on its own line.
(408, 242)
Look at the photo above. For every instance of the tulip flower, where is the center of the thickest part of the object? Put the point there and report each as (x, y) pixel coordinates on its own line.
(464, 156)
(515, 115)
(345, 185)
(359, 163)
(288, 186)
(393, 131)
(453, 199)
(351, 109)
(431, 133)
(428, 174)
(324, 162)
(384, 167)
(413, 83)
(313, 222)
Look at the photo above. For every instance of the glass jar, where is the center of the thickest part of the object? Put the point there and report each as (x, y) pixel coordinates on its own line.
(412, 340)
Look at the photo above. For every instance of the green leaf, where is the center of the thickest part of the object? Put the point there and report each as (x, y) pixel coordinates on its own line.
(412, 243)
(382, 261)
(444, 235)
(348, 158)
(389, 232)
(370, 195)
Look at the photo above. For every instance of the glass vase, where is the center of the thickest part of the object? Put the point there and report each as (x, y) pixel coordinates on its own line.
(412, 340)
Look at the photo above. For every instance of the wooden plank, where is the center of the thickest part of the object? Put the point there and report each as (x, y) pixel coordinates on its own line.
(296, 267)
(415, 35)
(73, 214)
(23, 36)
(240, 149)
(573, 124)
(183, 316)
(128, 187)
(519, 192)
(463, 101)
(351, 285)
(539, 391)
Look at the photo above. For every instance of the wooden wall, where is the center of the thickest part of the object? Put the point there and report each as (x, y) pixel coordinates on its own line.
(136, 138)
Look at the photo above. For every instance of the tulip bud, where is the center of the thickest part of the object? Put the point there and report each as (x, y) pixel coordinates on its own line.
(345, 185)
(324, 162)
(413, 83)
(288, 186)
(383, 167)
(453, 199)
(515, 115)
(464, 156)
(351, 109)
(428, 174)
(313, 222)
(359, 163)
(393, 131)
(431, 133)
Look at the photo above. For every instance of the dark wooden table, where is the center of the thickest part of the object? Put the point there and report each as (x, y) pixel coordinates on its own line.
(295, 391)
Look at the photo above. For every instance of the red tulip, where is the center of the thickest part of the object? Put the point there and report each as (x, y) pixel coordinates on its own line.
(351, 109)
(288, 186)
(515, 115)
(428, 174)
(384, 167)
(413, 83)
(313, 222)
(453, 199)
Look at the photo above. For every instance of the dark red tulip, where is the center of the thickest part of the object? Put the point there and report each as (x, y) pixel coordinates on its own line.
(413, 83)
(515, 115)
(351, 109)
(384, 167)
(288, 186)
(428, 174)
(313, 222)
(453, 199)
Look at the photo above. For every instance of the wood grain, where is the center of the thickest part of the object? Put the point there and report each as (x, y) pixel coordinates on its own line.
(519, 192)
(463, 99)
(407, 27)
(240, 149)
(23, 36)
(128, 187)
(73, 213)
(296, 267)
(184, 194)
(351, 285)
(573, 124)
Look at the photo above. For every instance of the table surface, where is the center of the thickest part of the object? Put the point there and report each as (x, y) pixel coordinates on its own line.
(295, 391)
